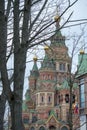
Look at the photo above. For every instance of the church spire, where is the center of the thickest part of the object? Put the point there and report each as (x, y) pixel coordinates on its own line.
(57, 19)
(34, 71)
(57, 39)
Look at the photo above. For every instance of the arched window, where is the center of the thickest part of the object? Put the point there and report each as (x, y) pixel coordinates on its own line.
(34, 119)
(73, 98)
(52, 128)
(68, 67)
(59, 98)
(64, 128)
(67, 98)
(57, 114)
(82, 93)
(25, 120)
(41, 128)
(62, 66)
(49, 99)
(32, 128)
(42, 99)
(49, 113)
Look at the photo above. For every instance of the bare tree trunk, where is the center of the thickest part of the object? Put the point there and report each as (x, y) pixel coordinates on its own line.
(2, 110)
(3, 41)
(17, 95)
(16, 116)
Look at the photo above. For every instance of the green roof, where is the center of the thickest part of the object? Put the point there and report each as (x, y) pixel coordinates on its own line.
(82, 64)
(52, 113)
(65, 85)
(48, 63)
(27, 95)
(40, 122)
(75, 85)
(33, 111)
(57, 39)
(34, 71)
(24, 106)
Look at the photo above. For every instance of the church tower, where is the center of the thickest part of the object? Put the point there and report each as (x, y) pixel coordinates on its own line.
(49, 91)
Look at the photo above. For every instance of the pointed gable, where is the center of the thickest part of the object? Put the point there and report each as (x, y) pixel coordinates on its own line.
(52, 118)
(34, 71)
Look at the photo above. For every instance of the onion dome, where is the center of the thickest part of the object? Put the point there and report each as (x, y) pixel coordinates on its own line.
(81, 51)
(35, 58)
(57, 18)
(46, 48)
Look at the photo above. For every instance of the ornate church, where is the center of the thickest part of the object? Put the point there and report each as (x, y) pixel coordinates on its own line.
(47, 100)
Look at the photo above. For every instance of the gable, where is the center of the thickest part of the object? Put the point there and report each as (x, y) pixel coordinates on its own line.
(52, 120)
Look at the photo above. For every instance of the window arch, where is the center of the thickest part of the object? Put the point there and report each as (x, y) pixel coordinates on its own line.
(59, 98)
(52, 128)
(42, 99)
(41, 128)
(32, 128)
(67, 98)
(64, 128)
(62, 66)
(49, 99)
(73, 98)
(34, 119)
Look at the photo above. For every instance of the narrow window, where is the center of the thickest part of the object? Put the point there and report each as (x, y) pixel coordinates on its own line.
(49, 99)
(67, 98)
(73, 98)
(49, 113)
(62, 66)
(82, 96)
(59, 99)
(42, 99)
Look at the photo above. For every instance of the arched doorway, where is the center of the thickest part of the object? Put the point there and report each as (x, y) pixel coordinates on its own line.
(64, 128)
(52, 128)
(32, 128)
(41, 128)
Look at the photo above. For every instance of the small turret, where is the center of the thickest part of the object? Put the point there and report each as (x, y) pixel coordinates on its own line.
(34, 71)
(34, 74)
(47, 62)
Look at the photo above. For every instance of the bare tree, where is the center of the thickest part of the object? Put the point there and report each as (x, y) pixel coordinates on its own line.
(23, 24)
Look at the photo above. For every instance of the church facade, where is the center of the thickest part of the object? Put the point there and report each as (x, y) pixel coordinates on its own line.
(47, 101)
